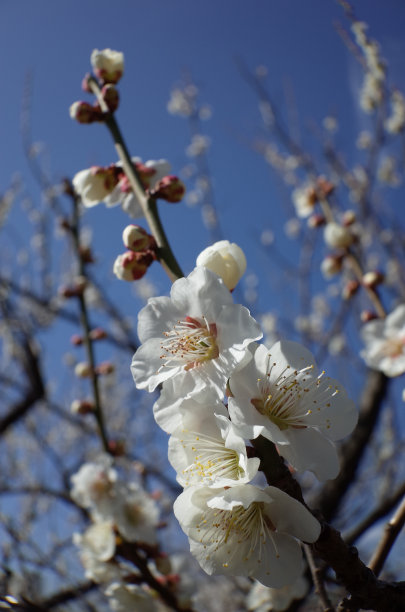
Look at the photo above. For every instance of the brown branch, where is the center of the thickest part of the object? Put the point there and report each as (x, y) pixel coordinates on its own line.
(391, 532)
(367, 591)
(317, 578)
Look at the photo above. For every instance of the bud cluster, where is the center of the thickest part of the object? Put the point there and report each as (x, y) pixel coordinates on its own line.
(141, 253)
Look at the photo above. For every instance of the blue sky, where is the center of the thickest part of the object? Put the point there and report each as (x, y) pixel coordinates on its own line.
(297, 41)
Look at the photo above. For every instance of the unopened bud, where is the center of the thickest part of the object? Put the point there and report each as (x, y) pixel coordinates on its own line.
(372, 279)
(337, 236)
(83, 112)
(86, 255)
(368, 315)
(349, 217)
(136, 238)
(75, 290)
(324, 187)
(316, 221)
(170, 188)
(83, 369)
(108, 65)
(132, 266)
(117, 448)
(98, 333)
(331, 265)
(111, 97)
(225, 259)
(350, 289)
(76, 340)
(85, 83)
(105, 368)
(82, 406)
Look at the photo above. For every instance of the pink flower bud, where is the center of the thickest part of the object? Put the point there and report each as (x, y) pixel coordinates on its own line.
(324, 187)
(76, 340)
(105, 368)
(85, 83)
(331, 265)
(368, 315)
(117, 448)
(132, 266)
(372, 279)
(349, 218)
(111, 97)
(170, 188)
(108, 65)
(136, 238)
(83, 370)
(98, 333)
(316, 221)
(83, 112)
(350, 289)
(82, 406)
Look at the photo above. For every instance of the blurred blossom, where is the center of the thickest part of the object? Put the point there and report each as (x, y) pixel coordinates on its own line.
(266, 113)
(145, 289)
(267, 237)
(261, 71)
(292, 228)
(330, 124)
(192, 198)
(387, 173)
(337, 236)
(372, 91)
(384, 341)
(108, 65)
(364, 140)
(209, 216)
(179, 104)
(396, 121)
(205, 112)
(336, 344)
(199, 144)
(304, 199)
(262, 599)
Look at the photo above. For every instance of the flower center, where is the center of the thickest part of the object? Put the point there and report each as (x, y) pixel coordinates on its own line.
(285, 400)
(231, 528)
(211, 458)
(393, 347)
(190, 342)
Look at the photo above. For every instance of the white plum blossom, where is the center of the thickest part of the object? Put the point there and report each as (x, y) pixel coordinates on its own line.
(304, 199)
(205, 449)
(225, 259)
(384, 341)
(280, 395)
(94, 486)
(125, 597)
(150, 173)
(93, 185)
(96, 547)
(127, 506)
(108, 65)
(246, 531)
(136, 515)
(263, 599)
(111, 186)
(197, 333)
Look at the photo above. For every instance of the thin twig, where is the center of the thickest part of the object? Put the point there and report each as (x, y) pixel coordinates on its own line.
(391, 532)
(316, 573)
